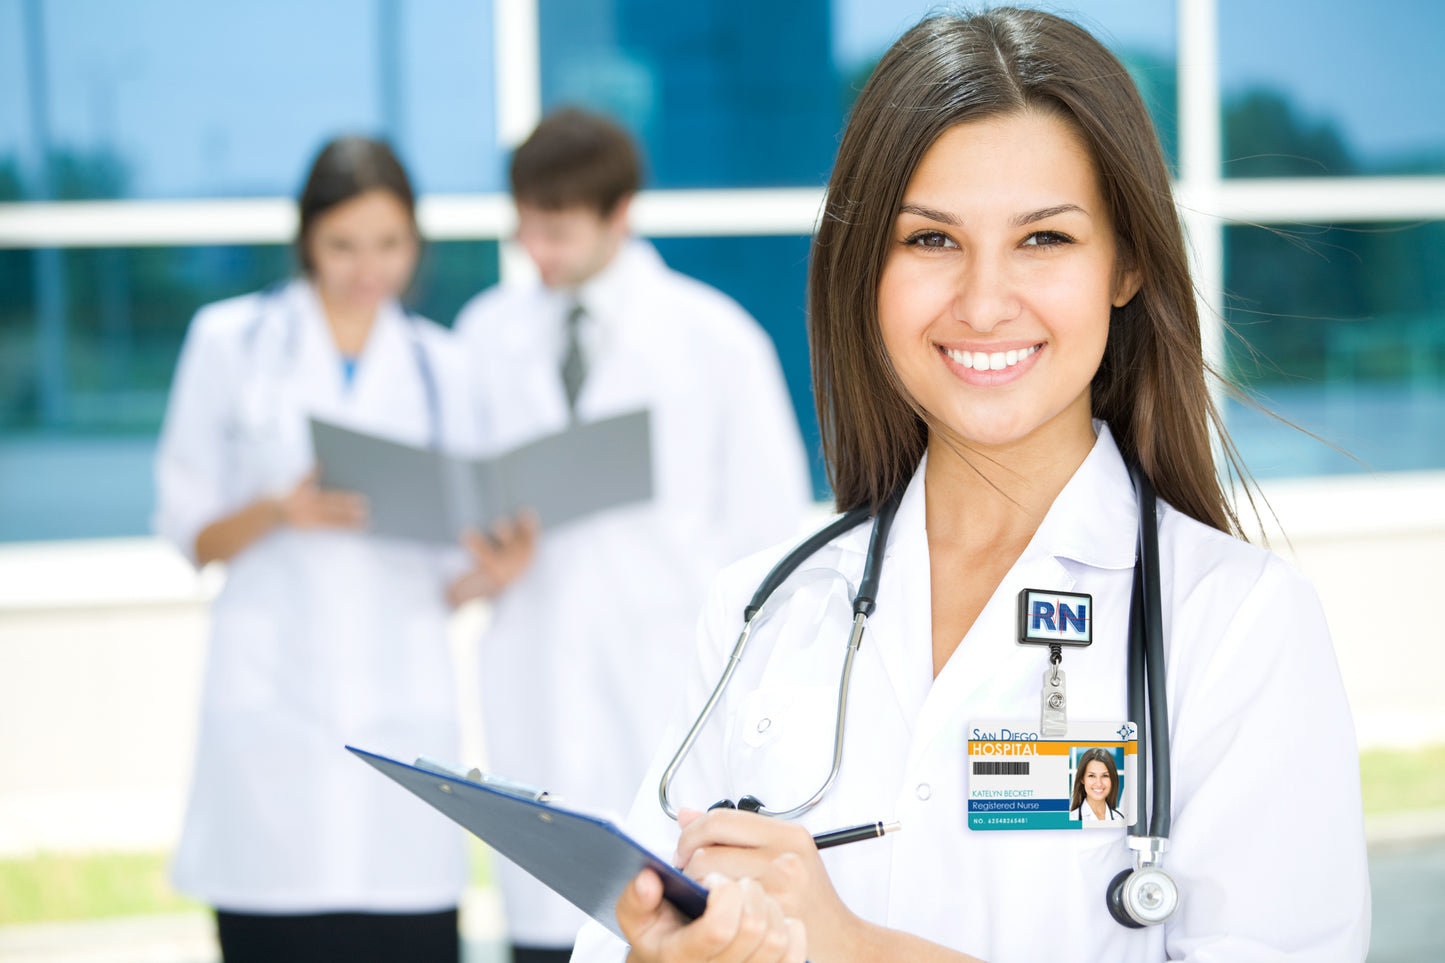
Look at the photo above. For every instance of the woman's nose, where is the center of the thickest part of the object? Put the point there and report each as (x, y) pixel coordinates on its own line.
(984, 297)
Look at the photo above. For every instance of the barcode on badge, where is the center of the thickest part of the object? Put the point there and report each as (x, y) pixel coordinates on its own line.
(991, 768)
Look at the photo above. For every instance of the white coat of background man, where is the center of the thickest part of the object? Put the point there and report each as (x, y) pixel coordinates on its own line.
(593, 621)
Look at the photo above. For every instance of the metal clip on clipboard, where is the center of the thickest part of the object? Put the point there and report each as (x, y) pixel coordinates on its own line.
(511, 787)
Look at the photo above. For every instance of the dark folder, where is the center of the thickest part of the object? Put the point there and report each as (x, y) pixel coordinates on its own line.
(586, 860)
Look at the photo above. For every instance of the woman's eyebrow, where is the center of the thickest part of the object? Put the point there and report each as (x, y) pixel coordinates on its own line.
(943, 217)
(1020, 220)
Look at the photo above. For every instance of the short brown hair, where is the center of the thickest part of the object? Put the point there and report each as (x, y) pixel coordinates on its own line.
(948, 70)
(575, 158)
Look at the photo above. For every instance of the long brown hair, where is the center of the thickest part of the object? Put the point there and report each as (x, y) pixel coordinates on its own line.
(348, 167)
(1150, 387)
(1096, 754)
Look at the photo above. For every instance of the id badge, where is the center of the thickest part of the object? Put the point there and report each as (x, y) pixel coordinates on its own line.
(1018, 778)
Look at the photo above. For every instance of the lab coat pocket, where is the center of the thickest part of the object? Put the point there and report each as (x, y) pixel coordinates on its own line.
(783, 739)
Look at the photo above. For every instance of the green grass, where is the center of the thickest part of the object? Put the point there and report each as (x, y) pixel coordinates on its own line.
(1403, 780)
(52, 886)
(69, 886)
(55, 886)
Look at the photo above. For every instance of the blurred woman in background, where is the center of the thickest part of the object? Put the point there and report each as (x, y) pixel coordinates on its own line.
(322, 635)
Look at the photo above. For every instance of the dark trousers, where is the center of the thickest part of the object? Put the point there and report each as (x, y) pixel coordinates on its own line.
(538, 954)
(340, 937)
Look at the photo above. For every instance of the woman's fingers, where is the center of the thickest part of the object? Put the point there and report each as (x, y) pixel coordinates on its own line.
(309, 506)
(742, 924)
(741, 830)
(341, 509)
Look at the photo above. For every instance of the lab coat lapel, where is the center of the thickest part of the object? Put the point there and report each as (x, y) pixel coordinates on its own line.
(615, 334)
(903, 613)
(990, 675)
(316, 374)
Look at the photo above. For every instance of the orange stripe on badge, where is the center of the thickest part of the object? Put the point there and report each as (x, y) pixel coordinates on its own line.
(1026, 747)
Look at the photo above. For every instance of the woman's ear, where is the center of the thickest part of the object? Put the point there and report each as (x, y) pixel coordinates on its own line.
(1126, 286)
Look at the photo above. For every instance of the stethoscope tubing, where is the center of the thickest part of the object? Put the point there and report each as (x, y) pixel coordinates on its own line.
(1151, 695)
(1145, 656)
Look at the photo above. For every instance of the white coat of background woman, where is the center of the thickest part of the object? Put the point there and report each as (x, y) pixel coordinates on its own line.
(322, 634)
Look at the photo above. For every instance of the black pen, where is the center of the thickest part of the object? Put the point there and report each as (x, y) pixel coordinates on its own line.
(851, 835)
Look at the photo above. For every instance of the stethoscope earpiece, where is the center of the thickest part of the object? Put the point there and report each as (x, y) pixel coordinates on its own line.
(1142, 897)
(748, 804)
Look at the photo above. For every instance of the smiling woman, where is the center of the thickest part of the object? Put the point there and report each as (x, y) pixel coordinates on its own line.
(1004, 332)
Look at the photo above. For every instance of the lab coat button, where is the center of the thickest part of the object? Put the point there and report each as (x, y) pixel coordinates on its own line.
(924, 791)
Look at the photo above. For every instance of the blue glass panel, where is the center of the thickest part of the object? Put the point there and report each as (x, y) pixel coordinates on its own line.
(1332, 87)
(719, 102)
(721, 95)
(1141, 33)
(169, 98)
(1341, 332)
(83, 383)
(768, 276)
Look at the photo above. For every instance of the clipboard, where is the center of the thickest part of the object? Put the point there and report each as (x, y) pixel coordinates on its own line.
(584, 859)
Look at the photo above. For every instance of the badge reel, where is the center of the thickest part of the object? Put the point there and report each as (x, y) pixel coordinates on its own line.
(1055, 619)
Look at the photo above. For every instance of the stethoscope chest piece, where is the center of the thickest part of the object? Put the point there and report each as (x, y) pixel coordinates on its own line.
(1142, 897)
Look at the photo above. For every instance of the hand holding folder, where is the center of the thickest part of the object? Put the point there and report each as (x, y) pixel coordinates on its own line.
(431, 496)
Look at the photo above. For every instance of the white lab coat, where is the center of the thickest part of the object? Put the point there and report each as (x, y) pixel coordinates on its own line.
(1085, 813)
(318, 638)
(1267, 869)
(585, 652)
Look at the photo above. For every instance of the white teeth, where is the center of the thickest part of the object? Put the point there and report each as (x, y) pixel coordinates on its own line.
(991, 361)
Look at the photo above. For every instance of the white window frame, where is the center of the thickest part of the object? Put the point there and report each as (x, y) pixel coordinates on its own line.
(1208, 202)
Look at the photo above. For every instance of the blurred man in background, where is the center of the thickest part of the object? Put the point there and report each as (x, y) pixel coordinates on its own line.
(594, 622)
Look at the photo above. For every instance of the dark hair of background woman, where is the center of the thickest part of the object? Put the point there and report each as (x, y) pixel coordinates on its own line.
(1095, 754)
(348, 167)
(1150, 386)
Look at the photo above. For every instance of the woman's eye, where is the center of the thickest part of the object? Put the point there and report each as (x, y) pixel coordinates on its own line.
(929, 239)
(1047, 239)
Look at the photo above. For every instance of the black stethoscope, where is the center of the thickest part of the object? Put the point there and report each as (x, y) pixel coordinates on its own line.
(1138, 897)
(271, 300)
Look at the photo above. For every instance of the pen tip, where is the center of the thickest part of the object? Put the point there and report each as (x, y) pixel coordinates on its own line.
(892, 827)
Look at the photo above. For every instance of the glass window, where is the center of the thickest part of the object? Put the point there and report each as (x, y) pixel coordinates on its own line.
(84, 373)
(767, 276)
(1141, 33)
(1342, 332)
(1331, 88)
(721, 95)
(718, 102)
(167, 98)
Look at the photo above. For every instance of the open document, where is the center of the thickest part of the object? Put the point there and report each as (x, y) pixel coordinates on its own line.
(430, 496)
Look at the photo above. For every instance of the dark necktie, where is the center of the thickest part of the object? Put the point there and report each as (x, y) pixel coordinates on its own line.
(574, 362)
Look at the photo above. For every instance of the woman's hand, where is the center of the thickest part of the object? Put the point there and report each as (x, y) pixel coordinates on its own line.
(498, 559)
(782, 857)
(742, 924)
(308, 505)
